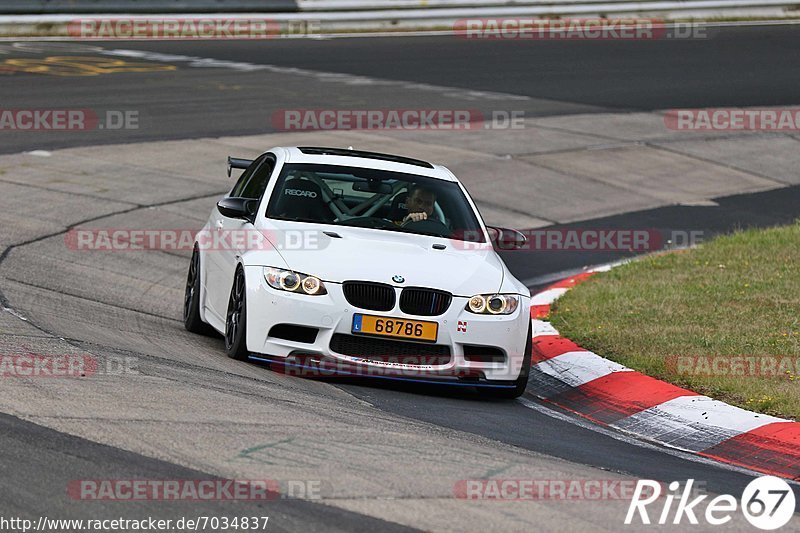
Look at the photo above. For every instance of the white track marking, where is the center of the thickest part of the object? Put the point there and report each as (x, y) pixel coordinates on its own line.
(15, 313)
(541, 328)
(705, 410)
(332, 77)
(693, 423)
(578, 368)
(622, 437)
(547, 297)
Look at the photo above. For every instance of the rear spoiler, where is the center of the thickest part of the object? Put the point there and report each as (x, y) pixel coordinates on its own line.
(236, 162)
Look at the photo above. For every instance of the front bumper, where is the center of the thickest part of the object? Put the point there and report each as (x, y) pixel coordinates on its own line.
(331, 315)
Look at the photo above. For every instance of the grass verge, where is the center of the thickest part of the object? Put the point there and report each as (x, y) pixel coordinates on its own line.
(722, 319)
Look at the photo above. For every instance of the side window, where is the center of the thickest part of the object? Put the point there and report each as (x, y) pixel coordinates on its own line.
(257, 184)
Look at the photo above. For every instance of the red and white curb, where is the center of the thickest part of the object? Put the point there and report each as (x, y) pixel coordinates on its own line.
(610, 394)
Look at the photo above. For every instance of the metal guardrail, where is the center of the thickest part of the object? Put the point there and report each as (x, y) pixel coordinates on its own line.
(433, 7)
(550, 8)
(403, 9)
(378, 5)
(41, 7)
(359, 5)
(394, 15)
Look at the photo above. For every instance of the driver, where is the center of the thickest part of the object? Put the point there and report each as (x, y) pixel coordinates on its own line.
(419, 204)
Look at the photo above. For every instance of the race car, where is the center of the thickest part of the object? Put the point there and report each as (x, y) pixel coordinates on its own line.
(345, 262)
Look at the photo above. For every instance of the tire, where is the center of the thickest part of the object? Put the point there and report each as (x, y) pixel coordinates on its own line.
(191, 299)
(236, 319)
(521, 383)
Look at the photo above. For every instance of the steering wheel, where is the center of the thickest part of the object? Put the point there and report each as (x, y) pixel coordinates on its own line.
(368, 222)
(428, 226)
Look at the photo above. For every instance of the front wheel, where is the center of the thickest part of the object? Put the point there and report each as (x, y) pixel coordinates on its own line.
(236, 320)
(521, 382)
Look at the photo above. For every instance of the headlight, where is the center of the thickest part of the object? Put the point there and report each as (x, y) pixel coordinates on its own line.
(287, 280)
(493, 304)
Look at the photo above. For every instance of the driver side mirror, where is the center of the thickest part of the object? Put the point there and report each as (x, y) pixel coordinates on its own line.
(507, 239)
(243, 208)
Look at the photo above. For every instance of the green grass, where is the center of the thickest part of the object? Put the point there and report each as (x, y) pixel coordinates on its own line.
(734, 296)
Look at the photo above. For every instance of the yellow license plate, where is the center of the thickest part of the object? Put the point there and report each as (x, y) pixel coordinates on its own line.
(395, 327)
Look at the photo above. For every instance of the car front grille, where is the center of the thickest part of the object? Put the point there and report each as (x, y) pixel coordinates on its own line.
(372, 296)
(390, 350)
(424, 302)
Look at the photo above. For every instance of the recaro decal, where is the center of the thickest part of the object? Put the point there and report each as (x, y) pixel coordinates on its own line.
(300, 192)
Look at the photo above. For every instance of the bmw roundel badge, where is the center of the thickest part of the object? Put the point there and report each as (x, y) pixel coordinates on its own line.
(397, 278)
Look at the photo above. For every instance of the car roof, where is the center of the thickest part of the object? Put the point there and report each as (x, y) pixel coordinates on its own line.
(356, 158)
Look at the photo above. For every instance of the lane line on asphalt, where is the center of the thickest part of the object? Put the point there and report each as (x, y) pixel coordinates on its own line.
(318, 75)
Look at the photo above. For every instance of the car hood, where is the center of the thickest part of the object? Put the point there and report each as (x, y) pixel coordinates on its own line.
(376, 255)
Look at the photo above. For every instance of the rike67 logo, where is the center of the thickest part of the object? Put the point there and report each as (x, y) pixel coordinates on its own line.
(767, 502)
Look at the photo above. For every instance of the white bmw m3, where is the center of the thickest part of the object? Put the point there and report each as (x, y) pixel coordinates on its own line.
(325, 261)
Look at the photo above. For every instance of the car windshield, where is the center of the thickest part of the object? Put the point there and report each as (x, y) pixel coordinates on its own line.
(376, 199)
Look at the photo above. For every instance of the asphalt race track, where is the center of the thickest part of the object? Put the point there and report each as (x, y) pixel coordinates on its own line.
(387, 455)
(733, 67)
